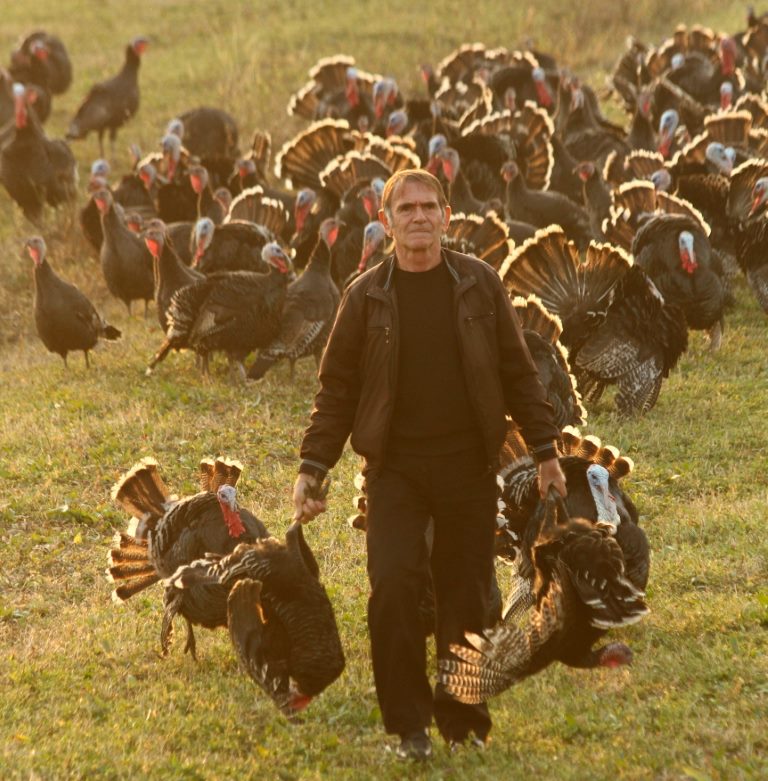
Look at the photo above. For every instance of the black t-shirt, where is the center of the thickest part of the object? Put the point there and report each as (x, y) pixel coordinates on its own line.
(433, 414)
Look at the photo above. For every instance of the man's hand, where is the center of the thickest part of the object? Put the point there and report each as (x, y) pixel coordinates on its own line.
(308, 498)
(550, 474)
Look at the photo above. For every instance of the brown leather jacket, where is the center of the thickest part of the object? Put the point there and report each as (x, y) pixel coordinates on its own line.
(358, 372)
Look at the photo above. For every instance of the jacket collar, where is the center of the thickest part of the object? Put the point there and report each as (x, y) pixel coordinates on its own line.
(463, 278)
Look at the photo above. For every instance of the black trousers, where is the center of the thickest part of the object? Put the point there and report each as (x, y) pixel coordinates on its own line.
(459, 493)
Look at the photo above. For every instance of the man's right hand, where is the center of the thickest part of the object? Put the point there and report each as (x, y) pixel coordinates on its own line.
(305, 507)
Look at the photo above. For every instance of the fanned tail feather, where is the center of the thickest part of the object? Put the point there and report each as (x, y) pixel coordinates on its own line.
(303, 157)
(533, 316)
(344, 171)
(488, 667)
(141, 492)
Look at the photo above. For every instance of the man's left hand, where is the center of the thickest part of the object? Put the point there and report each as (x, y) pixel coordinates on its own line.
(550, 474)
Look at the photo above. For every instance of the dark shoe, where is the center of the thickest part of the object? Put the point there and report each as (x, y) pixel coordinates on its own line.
(416, 746)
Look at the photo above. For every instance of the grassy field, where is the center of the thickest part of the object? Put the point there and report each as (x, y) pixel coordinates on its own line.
(84, 693)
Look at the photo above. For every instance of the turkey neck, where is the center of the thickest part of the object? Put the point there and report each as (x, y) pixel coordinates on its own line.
(641, 134)
(516, 193)
(45, 278)
(320, 261)
(208, 207)
(113, 227)
(132, 63)
(462, 197)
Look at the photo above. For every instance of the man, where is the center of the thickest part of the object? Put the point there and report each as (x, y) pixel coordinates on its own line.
(425, 359)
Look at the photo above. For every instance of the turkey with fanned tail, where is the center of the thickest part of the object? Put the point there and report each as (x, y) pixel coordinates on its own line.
(579, 589)
(166, 533)
(616, 326)
(280, 619)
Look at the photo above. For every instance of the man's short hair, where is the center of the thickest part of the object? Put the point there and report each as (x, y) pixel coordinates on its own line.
(411, 175)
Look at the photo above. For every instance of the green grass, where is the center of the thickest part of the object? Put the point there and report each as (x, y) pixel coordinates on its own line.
(84, 694)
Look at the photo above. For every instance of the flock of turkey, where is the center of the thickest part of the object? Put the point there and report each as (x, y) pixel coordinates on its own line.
(613, 243)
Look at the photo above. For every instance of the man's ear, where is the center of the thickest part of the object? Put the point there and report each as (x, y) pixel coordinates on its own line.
(383, 220)
(447, 220)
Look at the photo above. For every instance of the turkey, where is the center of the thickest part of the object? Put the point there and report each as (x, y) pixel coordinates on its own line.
(211, 135)
(308, 312)
(34, 169)
(280, 619)
(125, 260)
(544, 208)
(169, 272)
(457, 187)
(617, 331)
(676, 254)
(236, 246)
(233, 311)
(42, 59)
(110, 104)
(586, 134)
(65, 319)
(580, 589)
(166, 533)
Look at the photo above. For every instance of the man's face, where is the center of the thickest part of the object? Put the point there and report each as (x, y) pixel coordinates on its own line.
(417, 221)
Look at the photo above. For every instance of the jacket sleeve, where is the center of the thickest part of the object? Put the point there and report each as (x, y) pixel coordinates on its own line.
(524, 395)
(336, 400)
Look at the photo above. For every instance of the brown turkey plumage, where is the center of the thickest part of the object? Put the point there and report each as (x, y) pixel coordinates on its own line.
(166, 533)
(310, 306)
(34, 169)
(280, 619)
(579, 589)
(125, 260)
(676, 254)
(65, 319)
(169, 272)
(42, 58)
(616, 326)
(111, 103)
(234, 312)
